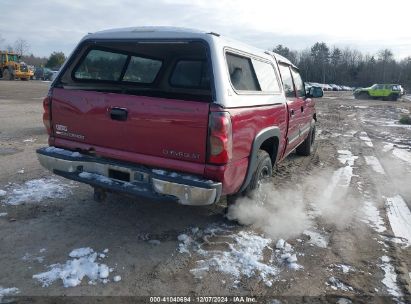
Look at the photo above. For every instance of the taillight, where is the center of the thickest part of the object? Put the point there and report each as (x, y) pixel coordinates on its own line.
(47, 113)
(219, 138)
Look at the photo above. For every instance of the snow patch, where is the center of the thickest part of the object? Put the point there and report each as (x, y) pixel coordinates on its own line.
(316, 238)
(345, 268)
(341, 177)
(337, 284)
(98, 177)
(7, 292)
(364, 137)
(344, 301)
(3, 214)
(2, 193)
(80, 252)
(38, 189)
(286, 256)
(375, 164)
(73, 271)
(371, 216)
(387, 147)
(399, 216)
(186, 241)
(346, 157)
(390, 277)
(244, 258)
(402, 154)
(62, 152)
(239, 254)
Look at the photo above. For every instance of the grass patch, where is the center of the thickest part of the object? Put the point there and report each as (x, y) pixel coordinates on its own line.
(405, 120)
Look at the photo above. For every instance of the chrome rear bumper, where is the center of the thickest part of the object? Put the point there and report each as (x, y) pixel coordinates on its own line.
(128, 178)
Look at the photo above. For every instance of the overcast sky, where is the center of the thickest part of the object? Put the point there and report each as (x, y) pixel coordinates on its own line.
(366, 25)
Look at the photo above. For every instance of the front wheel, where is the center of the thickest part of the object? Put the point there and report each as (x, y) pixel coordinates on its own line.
(307, 146)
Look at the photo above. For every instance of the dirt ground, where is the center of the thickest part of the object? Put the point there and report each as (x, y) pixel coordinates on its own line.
(349, 253)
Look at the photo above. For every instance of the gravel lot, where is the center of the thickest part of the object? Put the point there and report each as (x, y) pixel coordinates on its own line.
(343, 215)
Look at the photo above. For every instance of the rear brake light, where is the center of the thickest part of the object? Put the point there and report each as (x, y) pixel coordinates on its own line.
(219, 138)
(47, 113)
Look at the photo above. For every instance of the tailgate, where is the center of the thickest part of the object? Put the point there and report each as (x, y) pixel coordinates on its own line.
(160, 127)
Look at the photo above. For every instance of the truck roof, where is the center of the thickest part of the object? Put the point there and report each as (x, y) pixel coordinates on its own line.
(168, 32)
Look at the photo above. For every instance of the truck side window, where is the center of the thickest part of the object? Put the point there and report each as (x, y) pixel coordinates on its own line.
(298, 82)
(242, 74)
(287, 80)
(266, 75)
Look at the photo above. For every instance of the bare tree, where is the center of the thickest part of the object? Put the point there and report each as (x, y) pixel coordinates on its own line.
(21, 47)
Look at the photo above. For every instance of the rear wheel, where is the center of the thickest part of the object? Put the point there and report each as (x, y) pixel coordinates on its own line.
(307, 146)
(363, 95)
(262, 174)
(394, 97)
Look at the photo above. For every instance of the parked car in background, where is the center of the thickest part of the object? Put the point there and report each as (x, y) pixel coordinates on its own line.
(43, 73)
(335, 87)
(379, 91)
(327, 87)
(54, 75)
(312, 88)
(189, 120)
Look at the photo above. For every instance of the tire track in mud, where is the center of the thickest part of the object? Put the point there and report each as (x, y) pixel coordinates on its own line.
(371, 176)
(367, 188)
(397, 265)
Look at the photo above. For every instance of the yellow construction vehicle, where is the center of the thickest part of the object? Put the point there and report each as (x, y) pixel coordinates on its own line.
(11, 67)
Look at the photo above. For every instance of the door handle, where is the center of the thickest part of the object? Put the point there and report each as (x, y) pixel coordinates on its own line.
(118, 114)
(292, 113)
(302, 109)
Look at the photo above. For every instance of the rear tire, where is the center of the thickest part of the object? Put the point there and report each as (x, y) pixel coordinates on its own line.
(262, 174)
(307, 146)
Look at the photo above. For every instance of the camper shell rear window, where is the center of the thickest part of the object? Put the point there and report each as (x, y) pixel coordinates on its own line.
(107, 65)
(167, 69)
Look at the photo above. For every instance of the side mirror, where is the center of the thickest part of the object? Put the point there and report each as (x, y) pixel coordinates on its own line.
(315, 92)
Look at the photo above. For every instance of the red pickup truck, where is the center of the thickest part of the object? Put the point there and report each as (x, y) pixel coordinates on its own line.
(174, 114)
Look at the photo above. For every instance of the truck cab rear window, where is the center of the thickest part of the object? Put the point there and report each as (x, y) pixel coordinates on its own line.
(109, 66)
